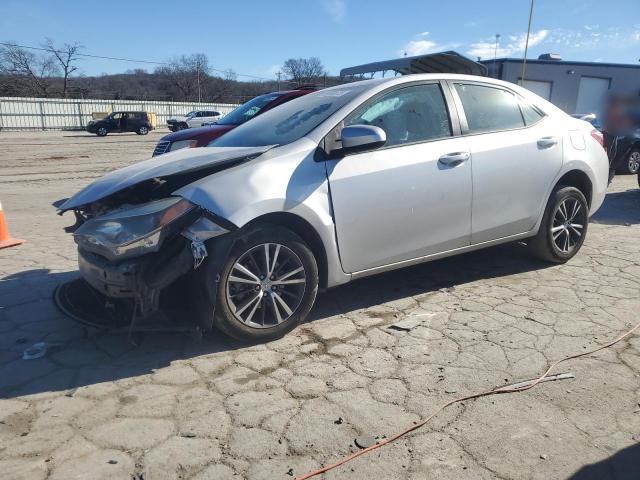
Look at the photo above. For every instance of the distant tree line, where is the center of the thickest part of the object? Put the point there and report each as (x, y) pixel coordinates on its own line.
(52, 71)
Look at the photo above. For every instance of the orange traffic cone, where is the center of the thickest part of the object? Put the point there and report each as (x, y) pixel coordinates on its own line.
(5, 238)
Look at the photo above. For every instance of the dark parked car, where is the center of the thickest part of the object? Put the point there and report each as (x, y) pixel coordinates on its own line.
(120, 122)
(624, 152)
(200, 137)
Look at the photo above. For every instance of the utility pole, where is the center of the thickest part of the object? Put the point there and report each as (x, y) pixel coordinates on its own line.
(526, 45)
(495, 55)
(278, 74)
(198, 77)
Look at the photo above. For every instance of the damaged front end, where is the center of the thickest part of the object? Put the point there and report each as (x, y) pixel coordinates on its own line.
(135, 252)
(137, 240)
(133, 255)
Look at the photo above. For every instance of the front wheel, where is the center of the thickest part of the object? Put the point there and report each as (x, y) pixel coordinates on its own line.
(102, 132)
(563, 227)
(267, 285)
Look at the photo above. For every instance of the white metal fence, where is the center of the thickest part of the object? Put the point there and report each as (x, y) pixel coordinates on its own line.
(17, 113)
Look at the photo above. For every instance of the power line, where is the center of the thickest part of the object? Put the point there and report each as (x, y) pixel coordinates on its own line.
(151, 62)
(42, 49)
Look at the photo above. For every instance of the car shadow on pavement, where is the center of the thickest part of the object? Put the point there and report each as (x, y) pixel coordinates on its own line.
(79, 356)
(623, 465)
(619, 208)
(76, 356)
(447, 273)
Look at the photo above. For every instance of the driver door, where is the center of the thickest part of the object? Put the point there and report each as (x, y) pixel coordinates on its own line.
(113, 122)
(409, 198)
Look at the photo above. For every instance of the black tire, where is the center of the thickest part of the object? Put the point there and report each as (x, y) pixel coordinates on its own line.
(228, 322)
(142, 130)
(181, 126)
(543, 245)
(632, 162)
(102, 132)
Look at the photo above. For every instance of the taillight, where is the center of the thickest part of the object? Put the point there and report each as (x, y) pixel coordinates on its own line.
(598, 136)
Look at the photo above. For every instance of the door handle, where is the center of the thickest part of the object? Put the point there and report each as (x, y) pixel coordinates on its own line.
(454, 158)
(547, 142)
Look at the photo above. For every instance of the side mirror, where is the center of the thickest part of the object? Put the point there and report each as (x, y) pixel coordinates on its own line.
(358, 138)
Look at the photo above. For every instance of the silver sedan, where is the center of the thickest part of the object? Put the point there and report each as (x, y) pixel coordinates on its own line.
(340, 184)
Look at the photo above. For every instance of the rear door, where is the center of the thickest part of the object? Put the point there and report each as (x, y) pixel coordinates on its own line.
(516, 152)
(411, 197)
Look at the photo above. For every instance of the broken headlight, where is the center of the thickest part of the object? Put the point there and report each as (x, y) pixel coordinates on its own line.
(136, 230)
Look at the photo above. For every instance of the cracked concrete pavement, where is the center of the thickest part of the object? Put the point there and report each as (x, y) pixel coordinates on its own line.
(97, 407)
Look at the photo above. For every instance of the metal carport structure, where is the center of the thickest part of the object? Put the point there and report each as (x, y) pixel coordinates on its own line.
(443, 62)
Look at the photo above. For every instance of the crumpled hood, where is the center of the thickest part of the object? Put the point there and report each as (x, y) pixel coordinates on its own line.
(181, 161)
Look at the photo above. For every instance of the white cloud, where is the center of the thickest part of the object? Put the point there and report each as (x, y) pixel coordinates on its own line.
(273, 70)
(337, 9)
(515, 44)
(610, 38)
(419, 47)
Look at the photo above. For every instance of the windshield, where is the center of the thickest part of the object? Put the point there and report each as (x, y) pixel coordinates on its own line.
(191, 114)
(291, 121)
(248, 110)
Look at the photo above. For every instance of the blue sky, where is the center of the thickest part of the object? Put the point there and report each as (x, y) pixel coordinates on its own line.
(254, 37)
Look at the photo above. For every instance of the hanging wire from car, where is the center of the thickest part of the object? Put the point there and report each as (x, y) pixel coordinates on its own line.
(514, 388)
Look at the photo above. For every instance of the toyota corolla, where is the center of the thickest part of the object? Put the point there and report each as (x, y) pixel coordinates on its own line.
(337, 185)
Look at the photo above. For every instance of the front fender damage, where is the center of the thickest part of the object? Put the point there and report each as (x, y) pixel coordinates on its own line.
(173, 280)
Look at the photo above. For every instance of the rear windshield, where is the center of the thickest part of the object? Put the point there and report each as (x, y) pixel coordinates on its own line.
(291, 121)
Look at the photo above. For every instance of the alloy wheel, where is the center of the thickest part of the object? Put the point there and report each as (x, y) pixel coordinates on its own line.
(568, 224)
(266, 285)
(634, 162)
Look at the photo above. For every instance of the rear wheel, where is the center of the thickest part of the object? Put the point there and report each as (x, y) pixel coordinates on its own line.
(142, 130)
(563, 227)
(267, 285)
(632, 164)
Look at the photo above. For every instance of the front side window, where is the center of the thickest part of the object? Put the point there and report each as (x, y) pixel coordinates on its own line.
(407, 115)
(489, 109)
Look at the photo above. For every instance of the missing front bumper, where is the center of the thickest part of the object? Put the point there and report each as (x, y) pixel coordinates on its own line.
(140, 277)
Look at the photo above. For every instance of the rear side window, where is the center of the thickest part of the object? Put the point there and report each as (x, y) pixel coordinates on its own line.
(489, 109)
(531, 115)
(407, 115)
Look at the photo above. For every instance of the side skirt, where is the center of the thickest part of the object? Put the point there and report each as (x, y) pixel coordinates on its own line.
(447, 253)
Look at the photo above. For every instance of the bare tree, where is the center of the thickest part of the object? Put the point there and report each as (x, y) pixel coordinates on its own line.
(65, 56)
(30, 74)
(187, 73)
(302, 70)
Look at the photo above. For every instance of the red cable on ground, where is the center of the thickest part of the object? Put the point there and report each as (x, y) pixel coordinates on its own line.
(496, 391)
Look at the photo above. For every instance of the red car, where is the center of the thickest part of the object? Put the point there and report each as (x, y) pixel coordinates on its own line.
(200, 137)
